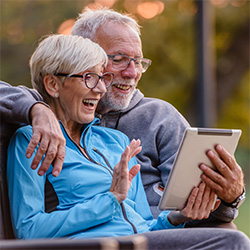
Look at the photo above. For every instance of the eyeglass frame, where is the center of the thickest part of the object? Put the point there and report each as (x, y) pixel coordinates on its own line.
(130, 59)
(84, 75)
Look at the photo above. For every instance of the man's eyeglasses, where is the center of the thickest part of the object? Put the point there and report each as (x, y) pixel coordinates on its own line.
(91, 79)
(121, 62)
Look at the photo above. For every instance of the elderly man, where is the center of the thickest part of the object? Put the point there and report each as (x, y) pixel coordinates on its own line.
(156, 123)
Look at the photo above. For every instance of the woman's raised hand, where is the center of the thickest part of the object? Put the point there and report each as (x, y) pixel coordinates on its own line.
(122, 176)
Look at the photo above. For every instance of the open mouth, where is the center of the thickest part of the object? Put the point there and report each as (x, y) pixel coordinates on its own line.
(122, 87)
(90, 103)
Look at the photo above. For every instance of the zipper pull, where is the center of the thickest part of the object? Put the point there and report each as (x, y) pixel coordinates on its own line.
(94, 149)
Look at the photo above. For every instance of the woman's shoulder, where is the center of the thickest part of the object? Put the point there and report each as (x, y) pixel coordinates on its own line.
(23, 131)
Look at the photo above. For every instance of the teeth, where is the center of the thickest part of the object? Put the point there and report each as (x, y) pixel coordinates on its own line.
(123, 87)
(92, 102)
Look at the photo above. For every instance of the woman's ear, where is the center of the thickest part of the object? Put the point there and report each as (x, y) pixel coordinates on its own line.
(51, 84)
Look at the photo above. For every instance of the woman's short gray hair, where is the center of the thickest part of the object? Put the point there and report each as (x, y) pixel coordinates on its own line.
(90, 20)
(63, 54)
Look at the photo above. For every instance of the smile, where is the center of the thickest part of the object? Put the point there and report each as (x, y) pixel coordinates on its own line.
(122, 87)
(90, 102)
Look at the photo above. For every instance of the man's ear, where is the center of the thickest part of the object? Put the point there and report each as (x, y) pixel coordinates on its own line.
(51, 84)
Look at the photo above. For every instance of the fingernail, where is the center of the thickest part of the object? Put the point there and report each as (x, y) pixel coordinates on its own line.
(28, 155)
(219, 147)
(41, 172)
(33, 166)
(203, 167)
(211, 153)
(55, 173)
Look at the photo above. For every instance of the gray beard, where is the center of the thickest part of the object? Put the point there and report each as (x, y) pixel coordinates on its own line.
(109, 102)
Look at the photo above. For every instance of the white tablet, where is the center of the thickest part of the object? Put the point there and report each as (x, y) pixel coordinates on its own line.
(185, 174)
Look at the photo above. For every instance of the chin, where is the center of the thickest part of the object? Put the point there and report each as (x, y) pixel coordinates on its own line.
(116, 102)
(87, 120)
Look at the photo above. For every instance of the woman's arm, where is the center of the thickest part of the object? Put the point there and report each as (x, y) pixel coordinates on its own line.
(26, 194)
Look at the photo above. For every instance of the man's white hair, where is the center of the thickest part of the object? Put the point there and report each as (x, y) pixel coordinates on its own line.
(63, 54)
(90, 20)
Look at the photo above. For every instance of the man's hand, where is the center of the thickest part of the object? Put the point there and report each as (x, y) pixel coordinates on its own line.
(199, 206)
(123, 177)
(47, 132)
(228, 184)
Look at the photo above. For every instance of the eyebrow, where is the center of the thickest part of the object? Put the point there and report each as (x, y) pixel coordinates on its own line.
(123, 54)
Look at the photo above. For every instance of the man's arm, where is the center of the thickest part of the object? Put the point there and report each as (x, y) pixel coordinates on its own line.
(23, 105)
(16, 103)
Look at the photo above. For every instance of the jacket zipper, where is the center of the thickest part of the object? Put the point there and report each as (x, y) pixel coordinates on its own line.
(126, 218)
(106, 161)
(110, 171)
(122, 205)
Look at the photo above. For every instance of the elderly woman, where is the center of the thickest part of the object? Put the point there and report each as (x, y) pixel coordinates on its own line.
(99, 192)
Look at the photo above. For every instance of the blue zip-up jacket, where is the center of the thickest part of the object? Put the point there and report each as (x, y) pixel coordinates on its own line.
(86, 207)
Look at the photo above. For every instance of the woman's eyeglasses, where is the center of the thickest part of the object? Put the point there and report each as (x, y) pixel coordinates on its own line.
(91, 79)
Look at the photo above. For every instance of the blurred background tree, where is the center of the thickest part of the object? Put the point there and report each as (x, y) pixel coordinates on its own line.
(169, 39)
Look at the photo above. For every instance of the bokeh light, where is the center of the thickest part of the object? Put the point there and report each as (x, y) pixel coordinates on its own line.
(66, 27)
(187, 8)
(238, 3)
(149, 10)
(106, 3)
(220, 3)
(15, 31)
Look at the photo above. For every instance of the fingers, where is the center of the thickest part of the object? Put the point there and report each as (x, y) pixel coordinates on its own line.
(58, 162)
(200, 203)
(35, 140)
(228, 183)
(229, 159)
(213, 179)
(122, 176)
(33, 144)
(216, 205)
(206, 203)
(52, 147)
(134, 171)
(48, 139)
(134, 148)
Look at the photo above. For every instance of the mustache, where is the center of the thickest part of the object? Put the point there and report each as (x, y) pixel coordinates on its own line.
(126, 82)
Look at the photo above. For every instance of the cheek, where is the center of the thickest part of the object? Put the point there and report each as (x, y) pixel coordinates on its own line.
(138, 77)
(109, 68)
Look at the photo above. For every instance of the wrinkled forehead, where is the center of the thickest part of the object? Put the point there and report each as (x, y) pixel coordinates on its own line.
(117, 38)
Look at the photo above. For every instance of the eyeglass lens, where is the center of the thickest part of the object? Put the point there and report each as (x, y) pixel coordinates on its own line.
(120, 62)
(92, 79)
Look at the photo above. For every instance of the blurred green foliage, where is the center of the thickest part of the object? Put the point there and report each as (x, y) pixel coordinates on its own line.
(169, 39)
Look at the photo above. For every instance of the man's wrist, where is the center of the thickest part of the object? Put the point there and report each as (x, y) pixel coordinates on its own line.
(33, 109)
(237, 202)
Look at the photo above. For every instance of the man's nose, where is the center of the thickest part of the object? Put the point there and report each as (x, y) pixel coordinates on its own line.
(130, 71)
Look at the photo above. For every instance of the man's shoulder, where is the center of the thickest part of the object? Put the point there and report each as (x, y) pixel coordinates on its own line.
(155, 105)
(157, 110)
